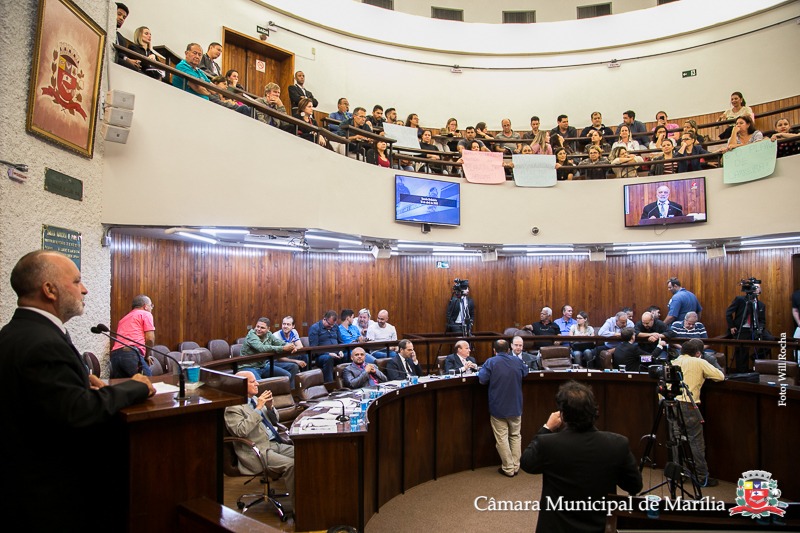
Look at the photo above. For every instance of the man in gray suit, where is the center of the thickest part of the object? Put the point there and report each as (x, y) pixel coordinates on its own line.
(358, 374)
(257, 420)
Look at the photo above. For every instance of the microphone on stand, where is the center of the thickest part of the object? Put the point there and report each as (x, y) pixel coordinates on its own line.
(102, 329)
(342, 417)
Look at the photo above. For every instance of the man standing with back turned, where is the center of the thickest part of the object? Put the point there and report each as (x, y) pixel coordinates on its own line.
(503, 373)
(129, 359)
(54, 412)
(579, 462)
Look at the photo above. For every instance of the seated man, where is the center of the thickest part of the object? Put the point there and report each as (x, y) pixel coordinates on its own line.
(637, 128)
(649, 330)
(360, 374)
(469, 138)
(507, 134)
(460, 361)
(405, 364)
(289, 335)
(191, 67)
(534, 362)
(691, 328)
(349, 332)
(364, 322)
(564, 131)
(630, 355)
(612, 329)
(545, 326)
(257, 420)
(376, 119)
(272, 99)
(598, 126)
(358, 143)
(382, 331)
(342, 114)
(326, 333)
(260, 340)
(207, 63)
(566, 321)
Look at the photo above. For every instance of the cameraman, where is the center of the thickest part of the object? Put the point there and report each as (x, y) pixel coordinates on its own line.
(695, 371)
(743, 325)
(461, 309)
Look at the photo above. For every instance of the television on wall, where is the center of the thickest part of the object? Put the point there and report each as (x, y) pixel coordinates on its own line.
(665, 202)
(427, 201)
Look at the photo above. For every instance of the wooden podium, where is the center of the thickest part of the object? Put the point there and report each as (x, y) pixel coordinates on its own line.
(173, 450)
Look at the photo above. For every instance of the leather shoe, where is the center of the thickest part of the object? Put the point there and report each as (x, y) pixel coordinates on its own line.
(711, 482)
(500, 470)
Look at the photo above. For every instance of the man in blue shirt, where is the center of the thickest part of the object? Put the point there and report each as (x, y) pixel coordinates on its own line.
(342, 115)
(326, 333)
(681, 303)
(503, 373)
(191, 67)
(350, 334)
(566, 321)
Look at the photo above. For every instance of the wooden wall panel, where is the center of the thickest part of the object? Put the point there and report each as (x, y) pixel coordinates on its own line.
(205, 292)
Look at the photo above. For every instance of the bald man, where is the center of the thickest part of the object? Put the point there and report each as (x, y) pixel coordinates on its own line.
(54, 412)
(460, 360)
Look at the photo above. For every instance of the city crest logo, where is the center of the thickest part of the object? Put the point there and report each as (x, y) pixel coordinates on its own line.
(66, 82)
(757, 495)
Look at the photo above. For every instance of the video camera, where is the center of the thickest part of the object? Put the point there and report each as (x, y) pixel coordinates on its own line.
(749, 285)
(459, 286)
(669, 379)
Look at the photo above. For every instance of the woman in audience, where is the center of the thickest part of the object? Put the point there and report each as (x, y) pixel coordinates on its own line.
(233, 81)
(597, 141)
(413, 122)
(563, 174)
(691, 125)
(782, 128)
(663, 120)
(451, 130)
(662, 163)
(594, 159)
(426, 143)
(619, 156)
(659, 134)
(541, 143)
(378, 155)
(526, 149)
(738, 108)
(744, 132)
(625, 140)
(305, 112)
(142, 44)
(217, 98)
(582, 352)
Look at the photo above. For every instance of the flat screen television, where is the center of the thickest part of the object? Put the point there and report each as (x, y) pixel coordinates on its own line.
(427, 201)
(658, 203)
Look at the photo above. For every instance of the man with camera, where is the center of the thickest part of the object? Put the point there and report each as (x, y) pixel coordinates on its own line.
(746, 317)
(695, 371)
(461, 309)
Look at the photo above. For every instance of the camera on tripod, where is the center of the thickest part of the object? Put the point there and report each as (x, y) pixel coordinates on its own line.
(459, 286)
(669, 379)
(749, 285)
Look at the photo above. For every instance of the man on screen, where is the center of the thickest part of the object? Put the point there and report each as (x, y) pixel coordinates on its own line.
(662, 208)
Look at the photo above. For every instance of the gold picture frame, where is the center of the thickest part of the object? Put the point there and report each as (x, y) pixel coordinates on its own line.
(65, 76)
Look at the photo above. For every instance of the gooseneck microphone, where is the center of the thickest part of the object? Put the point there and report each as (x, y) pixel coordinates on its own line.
(102, 329)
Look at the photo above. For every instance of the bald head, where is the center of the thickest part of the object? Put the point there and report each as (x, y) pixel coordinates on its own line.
(49, 281)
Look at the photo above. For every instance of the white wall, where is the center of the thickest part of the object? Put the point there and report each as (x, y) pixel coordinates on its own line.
(191, 162)
(25, 207)
(525, 87)
(492, 12)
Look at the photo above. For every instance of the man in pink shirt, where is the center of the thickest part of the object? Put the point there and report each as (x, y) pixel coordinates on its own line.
(129, 359)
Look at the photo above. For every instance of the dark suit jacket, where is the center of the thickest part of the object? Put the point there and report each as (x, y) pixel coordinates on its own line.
(395, 369)
(208, 66)
(354, 377)
(295, 95)
(57, 431)
(454, 363)
(630, 355)
(735, 313)
(579, 465)
(454, 307)
(651, 210)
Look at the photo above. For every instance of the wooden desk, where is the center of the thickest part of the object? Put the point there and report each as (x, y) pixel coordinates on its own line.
(172, 450)
(420, 433)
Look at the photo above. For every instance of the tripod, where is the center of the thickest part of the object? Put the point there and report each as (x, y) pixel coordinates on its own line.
(749, 321)
(681, 466)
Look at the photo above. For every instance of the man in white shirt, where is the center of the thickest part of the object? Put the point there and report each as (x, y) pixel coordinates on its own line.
(382, 331)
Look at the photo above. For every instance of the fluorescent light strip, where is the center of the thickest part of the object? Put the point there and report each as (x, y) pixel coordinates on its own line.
(215, 231)
(197, 237)
(359, 252)
(655, 247)
(462, 253)
(648, 243)
(663, 251)
(773, 247)
(435, 247)
(274, 247)
(748, 242)
(351, 242)
(538, 249)
(545, 254)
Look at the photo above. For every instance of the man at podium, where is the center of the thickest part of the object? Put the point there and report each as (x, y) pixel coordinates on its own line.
(662, 208)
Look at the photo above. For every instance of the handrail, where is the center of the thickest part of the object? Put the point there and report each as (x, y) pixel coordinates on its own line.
(251, 101)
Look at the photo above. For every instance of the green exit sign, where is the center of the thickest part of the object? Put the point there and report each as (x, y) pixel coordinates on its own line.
(689, 73)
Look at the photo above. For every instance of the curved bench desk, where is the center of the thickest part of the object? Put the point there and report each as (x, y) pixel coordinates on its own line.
(440, 427)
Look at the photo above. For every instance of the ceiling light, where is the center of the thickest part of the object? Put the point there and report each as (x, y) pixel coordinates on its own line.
(773, 247)
(274, 247)
(662, 251)
(655, 247)
(546, 254)
(197, 237)
(748, 242)
(216, 231)
(351, 242)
